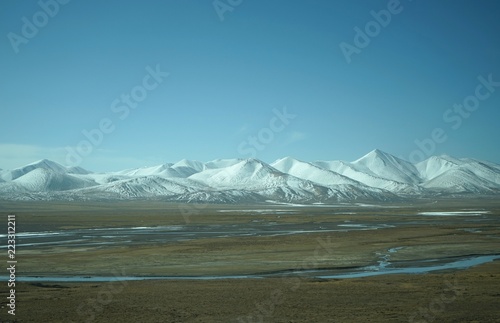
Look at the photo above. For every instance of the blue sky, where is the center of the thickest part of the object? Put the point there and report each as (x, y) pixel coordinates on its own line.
(231, 71)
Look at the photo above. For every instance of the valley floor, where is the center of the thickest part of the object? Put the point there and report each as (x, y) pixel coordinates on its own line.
(284, 250)
(464, 296)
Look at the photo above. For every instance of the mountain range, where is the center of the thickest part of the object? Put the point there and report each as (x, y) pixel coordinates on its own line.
(377, 176)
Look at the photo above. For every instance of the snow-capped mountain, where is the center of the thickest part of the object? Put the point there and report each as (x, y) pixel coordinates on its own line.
(44, 176)
(378, 169)
(41, 164)
(311, 172)
(41, 179)
(375, 176)
(446, 173)
(386, 166)
(436, 165)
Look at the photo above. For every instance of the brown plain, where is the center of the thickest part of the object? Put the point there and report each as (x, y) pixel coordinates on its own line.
(387, 298)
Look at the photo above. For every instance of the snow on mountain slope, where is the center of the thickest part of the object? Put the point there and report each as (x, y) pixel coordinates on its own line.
(42, 179)
(193, 164)
(250, 174)
(375, 176)
(354, 192)
(384, 165)
(243, 174)
(483, 170)
(461, 180)
(260, 178)
(147, 186)
(145, 171)
(10, 189)
(435, 166)
(77, 170)
(368, 179)
(10, 175)
(186, 168)
(447, 172)
(44, 164)
(222, 163)
(182, 169)
(311, 172)
(223, 196)
(44, 175)
(496, 167)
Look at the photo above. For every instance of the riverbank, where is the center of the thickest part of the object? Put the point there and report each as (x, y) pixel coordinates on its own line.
(471, 295)
(299, 253)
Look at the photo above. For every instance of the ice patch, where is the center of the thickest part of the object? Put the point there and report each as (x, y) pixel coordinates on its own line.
(454, 213)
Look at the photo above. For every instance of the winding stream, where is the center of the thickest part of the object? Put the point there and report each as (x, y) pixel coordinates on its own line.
(384, 267)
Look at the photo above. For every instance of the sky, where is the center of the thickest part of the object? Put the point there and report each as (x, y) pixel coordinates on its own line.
(110, 85)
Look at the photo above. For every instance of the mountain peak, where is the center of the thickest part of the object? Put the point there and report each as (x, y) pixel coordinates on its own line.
(220, 163)
(286, 163)
(377, 175)
(194, 164)
(42, 161)
(45, 163)
(40, 164)
(377, 151)
(374, 154)
(382, 164)
(286, 160)
(252, 162)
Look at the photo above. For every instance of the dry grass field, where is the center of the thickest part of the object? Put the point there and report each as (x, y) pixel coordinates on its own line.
(286, 245)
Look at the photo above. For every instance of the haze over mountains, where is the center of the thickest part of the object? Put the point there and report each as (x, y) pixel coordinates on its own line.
(375, 176)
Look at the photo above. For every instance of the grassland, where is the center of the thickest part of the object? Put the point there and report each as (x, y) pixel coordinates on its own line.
(388, 298)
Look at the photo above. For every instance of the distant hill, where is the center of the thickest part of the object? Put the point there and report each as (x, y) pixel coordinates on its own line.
(375, 176)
